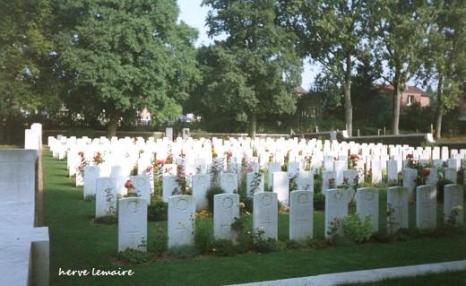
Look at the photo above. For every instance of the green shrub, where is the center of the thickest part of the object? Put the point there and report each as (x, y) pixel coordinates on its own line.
(223, 247)
(133, 256)
(203, 236)
(293, 244)
(183, 251)
(157, 211)
(317, 182)
(262, 244)
(106, 220)
(319, 201)
(356, 229)
(160, 242)
(214, 190)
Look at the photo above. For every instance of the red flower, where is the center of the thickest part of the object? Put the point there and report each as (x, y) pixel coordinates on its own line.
(160, 162)
(98, 158)
(424, 172)
(129, 184)
(354, 157)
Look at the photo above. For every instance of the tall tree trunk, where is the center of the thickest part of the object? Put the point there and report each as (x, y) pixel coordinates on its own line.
(439, 111)
(397, 84)
(347, 92)
(252, 125)
(112, 125)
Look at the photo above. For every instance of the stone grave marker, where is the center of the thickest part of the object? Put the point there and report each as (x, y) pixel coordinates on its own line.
(453, 204)
(367, 205)
(301, 215)
(226, 210)
(106, 198)
(169, 187)
(426, 207)
(201, 184)
(132, 224)
(397, 209)
(181, 212)
(91, 173)
(336, 208)
(281, 186)
(265, 215)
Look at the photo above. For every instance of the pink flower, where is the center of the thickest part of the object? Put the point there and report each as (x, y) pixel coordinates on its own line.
(129, 184)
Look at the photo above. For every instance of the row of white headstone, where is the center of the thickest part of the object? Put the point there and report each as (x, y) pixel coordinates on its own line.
(198, 155)
(112, 178)
(132, 214)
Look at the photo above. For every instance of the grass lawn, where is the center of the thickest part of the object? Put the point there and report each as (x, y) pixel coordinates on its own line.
(77, 243)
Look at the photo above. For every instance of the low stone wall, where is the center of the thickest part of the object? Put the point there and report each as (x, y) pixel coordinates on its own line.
(416, 139)
(25, 249)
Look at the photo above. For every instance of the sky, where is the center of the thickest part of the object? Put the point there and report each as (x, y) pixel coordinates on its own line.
(192, 13)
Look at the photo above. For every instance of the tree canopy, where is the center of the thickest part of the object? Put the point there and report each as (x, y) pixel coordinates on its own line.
(254, 70)
(119, 56)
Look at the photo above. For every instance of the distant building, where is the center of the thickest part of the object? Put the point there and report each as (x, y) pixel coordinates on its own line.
(299, 91)
(144, 117)
(409, 96)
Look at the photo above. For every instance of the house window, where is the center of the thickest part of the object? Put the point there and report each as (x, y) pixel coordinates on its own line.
(410, 100)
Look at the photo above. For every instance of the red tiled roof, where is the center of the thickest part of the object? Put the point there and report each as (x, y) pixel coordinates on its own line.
(408, 89)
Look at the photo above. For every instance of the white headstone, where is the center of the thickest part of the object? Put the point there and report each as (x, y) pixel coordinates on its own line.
(226, 209)
(426, 207)
(340, 167)
(367, 205)
(293, 168)
(91, 173)
(327, 178)
(305, 181)
(142, 187)
(453, 204)
(180, 220)
(397, 209)
(169, 133)
(301, 215)
(336, 208)
(169, 187)
(451, 175)
(132, 224)
(409, 181)
(376, 171)
(201, 184)
(265, 215)
(392, 171)
(281, 186)
(254, 183)
(106, 198)
(119, 179)
(271, 168)
(229, 182)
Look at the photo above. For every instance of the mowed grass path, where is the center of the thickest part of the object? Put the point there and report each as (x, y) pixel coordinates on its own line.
(77, 243)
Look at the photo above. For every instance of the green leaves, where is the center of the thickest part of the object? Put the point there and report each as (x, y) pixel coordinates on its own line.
(254, 70)
(127, 55)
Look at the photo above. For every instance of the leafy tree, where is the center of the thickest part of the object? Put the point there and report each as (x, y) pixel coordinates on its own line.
(332, 33)
(24, 58)
(253, 71)
(119, 56)
(399, 29)
(445, 56)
